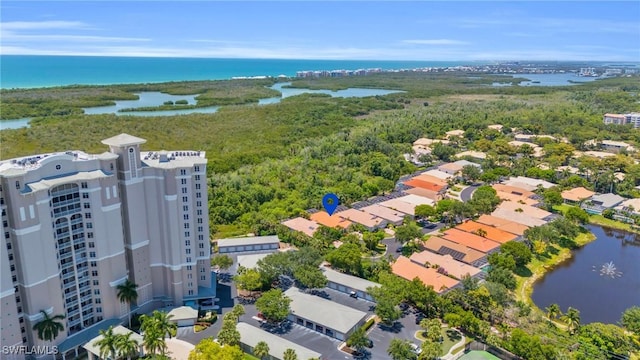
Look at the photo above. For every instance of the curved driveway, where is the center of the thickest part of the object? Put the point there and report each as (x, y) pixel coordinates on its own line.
(465, 194)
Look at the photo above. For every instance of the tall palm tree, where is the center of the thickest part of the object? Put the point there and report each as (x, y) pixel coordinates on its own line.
(261, 350)
(164, 323)
(155, 328)
(107, 344)
(127, 293)
(126, 346)
(49, 327)
(553, 311)
(572, 319)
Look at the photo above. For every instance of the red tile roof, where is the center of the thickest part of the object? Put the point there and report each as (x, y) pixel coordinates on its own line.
(409, 270)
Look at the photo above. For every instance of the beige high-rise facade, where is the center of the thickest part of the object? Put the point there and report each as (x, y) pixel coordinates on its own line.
(77, 225)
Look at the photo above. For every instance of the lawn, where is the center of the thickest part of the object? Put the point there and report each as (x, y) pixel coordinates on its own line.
(478, 355)
(249, 357)
(450, 338)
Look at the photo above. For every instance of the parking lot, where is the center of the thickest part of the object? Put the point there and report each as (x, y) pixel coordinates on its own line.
(380, 335)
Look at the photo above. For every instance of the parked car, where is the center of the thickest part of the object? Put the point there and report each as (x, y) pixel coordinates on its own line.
(416, 349)
(399, 250)
(353, 294)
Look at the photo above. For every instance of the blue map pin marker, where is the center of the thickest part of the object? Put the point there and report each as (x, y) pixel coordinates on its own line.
(330, 203)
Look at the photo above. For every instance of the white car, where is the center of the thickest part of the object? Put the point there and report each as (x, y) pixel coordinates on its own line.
(416, 349)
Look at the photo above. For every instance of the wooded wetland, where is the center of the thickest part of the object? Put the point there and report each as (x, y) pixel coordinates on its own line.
(272, 162)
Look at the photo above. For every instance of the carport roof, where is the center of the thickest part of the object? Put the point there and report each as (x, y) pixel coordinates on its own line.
(323, 312)
(251, 336)
(353, 282)
(250, 240)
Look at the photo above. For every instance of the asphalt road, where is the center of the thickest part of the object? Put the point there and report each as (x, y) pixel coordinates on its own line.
(467, 192)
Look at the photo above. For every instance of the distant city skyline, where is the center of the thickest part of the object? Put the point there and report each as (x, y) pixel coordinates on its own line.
(359, 30)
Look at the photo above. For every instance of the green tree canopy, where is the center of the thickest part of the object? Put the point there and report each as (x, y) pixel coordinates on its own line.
(209, 349)
(274, 305)
(347, 258)
(221, 261)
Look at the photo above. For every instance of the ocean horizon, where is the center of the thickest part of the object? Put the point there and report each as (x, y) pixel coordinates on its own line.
(36, 71)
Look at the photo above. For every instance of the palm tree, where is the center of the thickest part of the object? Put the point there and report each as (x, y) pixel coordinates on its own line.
(261, 350)
(155, 328)
(572, 319)
(127, 293)
(126, 346)
(49, 327)
(553, 311)
(290, 354)
(107, 344)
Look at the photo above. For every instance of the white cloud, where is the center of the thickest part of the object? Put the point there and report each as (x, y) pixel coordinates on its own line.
(42, 25)
(435, 42)
(8, 36)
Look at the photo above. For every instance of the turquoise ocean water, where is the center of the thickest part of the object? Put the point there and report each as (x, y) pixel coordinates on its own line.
(21, 71)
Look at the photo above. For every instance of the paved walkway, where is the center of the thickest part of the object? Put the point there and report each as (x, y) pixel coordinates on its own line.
(449, 355)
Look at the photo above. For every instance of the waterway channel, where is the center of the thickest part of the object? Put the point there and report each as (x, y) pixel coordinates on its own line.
(601, 279)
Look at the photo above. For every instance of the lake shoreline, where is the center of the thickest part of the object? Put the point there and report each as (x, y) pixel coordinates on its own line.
(524, 291)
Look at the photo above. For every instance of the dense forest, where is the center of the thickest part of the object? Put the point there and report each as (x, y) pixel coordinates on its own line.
(271, 162)
(268, 163)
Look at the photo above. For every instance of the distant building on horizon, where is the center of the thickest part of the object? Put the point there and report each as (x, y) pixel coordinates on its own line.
(622, 119)
(77, 225)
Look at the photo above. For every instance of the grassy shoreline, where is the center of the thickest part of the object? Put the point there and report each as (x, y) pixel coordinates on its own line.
(539, 268)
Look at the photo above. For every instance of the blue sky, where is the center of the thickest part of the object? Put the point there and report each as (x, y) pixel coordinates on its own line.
(426, 30)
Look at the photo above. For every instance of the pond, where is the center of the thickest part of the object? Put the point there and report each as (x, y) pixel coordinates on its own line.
(151, 99)
(560, 79)
(601, 279)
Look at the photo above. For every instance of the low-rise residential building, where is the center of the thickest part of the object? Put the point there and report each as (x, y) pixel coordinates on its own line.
(487, 231)
(348, 284)
(371, 222)
(531, 138)
(595, 154)
(503, 224)
(576, 195)
(616, 146)
(517, 194)
(454, 133)
(392, 216)
(251, 243)
(471, 240)
(631, 206)
(408, 270)
(456, 167)
(324, 316)
(432, 179)
(401, 206)
(444, 263)
(183, 316)
(308, 227)
(518, 217)
(478, 155)
(432, 191)
(438, 174)
(250, 336)
(522, 208)
(528, 183)
(332, 221)
(459, 252)
(601, 202)
(250, 261)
